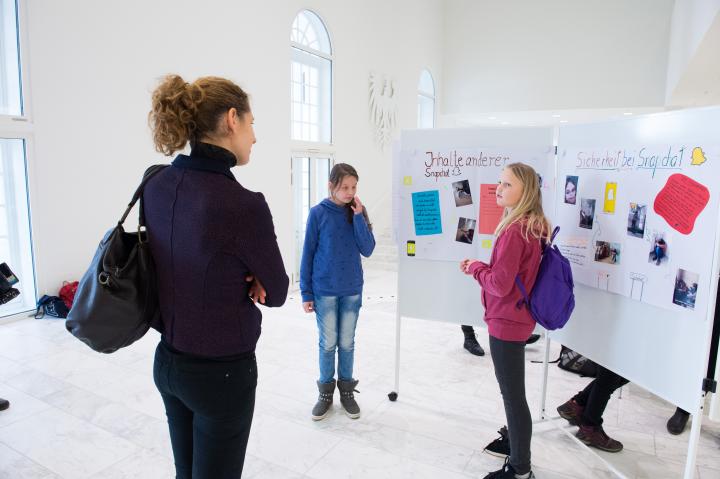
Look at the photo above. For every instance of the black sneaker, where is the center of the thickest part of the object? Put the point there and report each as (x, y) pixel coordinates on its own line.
(500, 447)
(507, 472)
(532, 339)
(473, 347)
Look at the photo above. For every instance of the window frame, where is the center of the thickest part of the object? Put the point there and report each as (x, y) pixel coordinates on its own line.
(20, 124)
(306, 145)
(21, 127)
(317, 190)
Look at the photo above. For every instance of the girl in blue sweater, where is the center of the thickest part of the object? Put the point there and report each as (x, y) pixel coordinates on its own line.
(331, 280)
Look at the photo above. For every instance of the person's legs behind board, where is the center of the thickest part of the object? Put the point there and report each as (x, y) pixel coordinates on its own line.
(677, 422)
(593, 400)
(327, 315)
(471, 343)
(349, 310)
(509, 363)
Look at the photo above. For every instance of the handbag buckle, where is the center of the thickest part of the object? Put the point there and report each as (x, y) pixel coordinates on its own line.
(142, 230)
(104, 278)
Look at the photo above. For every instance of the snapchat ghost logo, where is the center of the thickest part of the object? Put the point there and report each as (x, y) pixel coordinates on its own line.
(698, 157)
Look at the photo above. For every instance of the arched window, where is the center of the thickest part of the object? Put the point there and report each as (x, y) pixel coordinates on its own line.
(310, 80)
(426, 100)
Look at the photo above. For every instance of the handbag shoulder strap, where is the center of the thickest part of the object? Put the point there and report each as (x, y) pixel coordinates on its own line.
(149, 173)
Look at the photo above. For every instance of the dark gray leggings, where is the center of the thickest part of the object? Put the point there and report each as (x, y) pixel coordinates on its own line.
(509, 361)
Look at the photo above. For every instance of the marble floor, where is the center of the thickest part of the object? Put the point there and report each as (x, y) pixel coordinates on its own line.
(79, 414)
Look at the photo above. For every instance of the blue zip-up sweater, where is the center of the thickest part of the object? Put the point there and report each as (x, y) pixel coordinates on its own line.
(331, 264)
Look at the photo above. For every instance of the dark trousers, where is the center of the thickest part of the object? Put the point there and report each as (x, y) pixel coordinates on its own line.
(509, 362)
(594, 398)
(209, 406)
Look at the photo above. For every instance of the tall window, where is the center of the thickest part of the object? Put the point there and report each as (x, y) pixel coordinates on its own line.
(15, 236)
(311, 80)
(426, 100)
(310, 178)
(310, 119)
(10, 89)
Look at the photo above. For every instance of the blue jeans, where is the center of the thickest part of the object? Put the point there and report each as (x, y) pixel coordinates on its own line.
(336, 319)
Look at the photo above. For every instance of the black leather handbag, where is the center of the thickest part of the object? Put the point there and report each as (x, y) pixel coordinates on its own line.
(117, 300)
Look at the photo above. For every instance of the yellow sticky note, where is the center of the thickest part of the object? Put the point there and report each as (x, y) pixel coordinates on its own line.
(610, 197)
(487, 244)
(407, 181)
(698, 156)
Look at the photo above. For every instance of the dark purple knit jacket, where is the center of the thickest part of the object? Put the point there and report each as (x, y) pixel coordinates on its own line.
(206, 234)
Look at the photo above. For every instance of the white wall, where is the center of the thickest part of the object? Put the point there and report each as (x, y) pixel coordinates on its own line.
(93, 65)
(691, 20)
(555, 54)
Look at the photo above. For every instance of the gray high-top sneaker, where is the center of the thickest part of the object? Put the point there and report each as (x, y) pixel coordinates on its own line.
(325, 399)
(347, 399)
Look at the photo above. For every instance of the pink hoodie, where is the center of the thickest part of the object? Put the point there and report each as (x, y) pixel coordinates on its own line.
(512, 255)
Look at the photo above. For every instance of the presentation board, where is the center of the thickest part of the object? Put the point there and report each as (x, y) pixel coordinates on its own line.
(635, 216)
(642, 305)
(643, 313)
(444, 190)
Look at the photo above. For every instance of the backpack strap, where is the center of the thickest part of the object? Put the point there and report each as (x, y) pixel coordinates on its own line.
(520, 285)
(149, 173)
(519, 282)
(555, 233)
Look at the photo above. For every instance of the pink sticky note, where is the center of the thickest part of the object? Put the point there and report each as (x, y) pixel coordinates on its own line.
(681, 201)
(490, 212)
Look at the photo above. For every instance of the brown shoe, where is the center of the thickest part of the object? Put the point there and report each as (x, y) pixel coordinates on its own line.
(596, 437)
(571, 411)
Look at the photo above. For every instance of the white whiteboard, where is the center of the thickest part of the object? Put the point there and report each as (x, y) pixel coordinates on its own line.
(437, 290)
(661, 348)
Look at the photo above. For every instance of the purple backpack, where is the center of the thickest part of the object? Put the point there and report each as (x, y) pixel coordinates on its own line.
(551, 301)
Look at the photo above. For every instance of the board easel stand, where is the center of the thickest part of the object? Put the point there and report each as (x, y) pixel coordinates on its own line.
(709, 385)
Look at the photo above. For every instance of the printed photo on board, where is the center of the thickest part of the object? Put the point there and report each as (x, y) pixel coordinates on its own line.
(466, 230)
(462, 194)
(636, 220)
(608, 253)
(658, 250)
(571, 183)
(587, 213)
(686, 286)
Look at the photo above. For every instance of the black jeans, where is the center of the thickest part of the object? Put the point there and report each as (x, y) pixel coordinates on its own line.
(509, 362)
(209, 405)
(594, 398)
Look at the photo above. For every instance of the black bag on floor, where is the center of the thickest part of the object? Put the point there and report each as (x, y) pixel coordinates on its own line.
(576, 363)
(52, 306)
(116, 300)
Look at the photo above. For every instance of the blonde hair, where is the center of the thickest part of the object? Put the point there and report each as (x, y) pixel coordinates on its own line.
(529, 209)
(183, 111)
